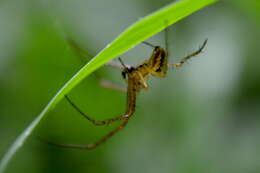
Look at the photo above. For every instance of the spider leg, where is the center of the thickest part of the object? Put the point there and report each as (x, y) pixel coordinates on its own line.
(143, 82)
(93, 145)
(84, 55)
(166, 31)
(111, 85)
(166, 40)
(148, 44)
(185, 59)
(108, 121)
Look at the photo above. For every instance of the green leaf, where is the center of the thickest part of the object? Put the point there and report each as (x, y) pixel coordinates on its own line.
(138, 32)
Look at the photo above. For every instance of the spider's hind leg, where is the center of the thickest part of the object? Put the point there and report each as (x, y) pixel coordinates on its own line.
(95, 144)
(95, 122)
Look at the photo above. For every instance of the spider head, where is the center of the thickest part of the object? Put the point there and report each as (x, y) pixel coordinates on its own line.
(126, 71)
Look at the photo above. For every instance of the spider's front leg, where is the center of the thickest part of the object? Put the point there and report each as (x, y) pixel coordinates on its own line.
(83, 55)
(185, 59)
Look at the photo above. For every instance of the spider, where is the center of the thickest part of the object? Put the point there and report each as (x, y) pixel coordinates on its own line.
(136, 77)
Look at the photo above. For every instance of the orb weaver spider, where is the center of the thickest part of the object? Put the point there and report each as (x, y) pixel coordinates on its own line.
(136, 76)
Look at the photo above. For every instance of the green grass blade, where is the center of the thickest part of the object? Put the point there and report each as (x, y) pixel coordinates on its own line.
(141, 30)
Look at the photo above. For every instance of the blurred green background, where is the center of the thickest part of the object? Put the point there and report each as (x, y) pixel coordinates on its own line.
(204, 117)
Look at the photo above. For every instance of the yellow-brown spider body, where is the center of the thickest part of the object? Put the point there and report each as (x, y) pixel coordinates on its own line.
(157, 66)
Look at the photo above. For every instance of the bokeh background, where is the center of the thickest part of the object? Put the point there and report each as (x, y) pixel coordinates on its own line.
(204, 117)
